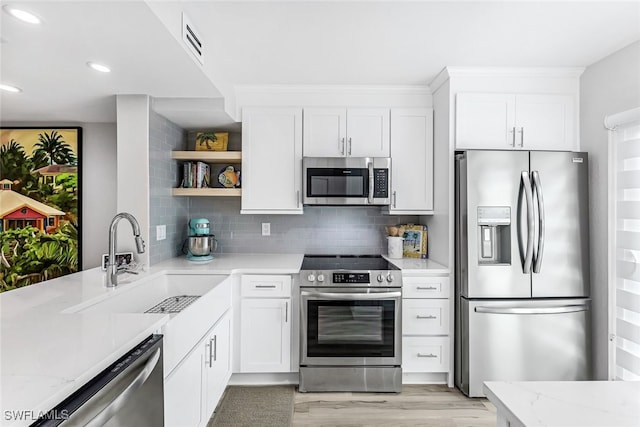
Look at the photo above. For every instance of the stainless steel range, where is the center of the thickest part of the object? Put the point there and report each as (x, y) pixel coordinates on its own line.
(350, 329)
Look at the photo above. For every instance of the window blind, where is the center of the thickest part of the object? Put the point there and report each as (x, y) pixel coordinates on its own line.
(624, 245)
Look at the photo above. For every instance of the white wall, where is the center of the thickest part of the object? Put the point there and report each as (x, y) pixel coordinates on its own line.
(609, 86)
(98, 189)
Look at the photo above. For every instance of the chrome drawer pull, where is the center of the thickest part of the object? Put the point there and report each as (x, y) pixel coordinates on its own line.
(430, 355)
(265, 286)
(427, 288)
(431, 316)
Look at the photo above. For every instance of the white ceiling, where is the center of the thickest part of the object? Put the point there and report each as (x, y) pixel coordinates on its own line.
(267, 42)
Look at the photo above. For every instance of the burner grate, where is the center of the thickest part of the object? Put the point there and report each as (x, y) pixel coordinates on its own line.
(173, 304)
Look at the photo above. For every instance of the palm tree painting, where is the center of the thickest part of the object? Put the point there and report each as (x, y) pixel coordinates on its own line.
(40, 215)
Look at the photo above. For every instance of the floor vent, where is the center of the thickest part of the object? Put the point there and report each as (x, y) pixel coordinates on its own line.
(192, 39)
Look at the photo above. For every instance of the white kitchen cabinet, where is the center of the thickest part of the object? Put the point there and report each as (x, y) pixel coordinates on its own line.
(352, 132)
(515, 121)
(265, 324)
(411, 161)
(271, 160)
(193, 389)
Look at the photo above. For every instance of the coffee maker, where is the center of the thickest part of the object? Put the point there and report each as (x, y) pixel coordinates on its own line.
(200, 244)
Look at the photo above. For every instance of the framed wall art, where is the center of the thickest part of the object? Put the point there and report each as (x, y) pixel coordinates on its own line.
(40, 204)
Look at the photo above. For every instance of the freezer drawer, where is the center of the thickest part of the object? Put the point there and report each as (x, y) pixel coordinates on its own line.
(516, 340)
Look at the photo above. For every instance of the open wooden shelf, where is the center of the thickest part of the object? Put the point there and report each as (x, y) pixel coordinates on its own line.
(225, 192)
(208, 156)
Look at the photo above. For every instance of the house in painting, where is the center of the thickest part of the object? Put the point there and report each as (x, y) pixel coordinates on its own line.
(49, 173)
(19, 211)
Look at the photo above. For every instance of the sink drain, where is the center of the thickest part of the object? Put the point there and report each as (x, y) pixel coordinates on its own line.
(173, 304)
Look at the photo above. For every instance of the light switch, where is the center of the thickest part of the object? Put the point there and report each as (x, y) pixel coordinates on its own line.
(161, 232)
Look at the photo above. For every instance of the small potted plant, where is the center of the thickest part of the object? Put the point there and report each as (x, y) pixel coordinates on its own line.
(211, 141)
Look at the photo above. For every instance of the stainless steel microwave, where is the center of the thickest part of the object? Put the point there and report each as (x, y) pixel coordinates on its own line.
(362, 181)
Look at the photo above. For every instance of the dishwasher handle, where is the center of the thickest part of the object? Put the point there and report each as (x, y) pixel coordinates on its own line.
(537, 310)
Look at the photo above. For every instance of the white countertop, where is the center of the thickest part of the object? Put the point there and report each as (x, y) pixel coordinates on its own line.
(416, 265)
(566, 403)
(47, 350)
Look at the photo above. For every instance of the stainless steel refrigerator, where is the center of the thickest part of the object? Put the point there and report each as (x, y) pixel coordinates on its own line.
(522, 269)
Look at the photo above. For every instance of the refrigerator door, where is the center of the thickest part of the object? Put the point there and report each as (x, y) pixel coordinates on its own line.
(491, 214)
(544, 340)
(561, 251)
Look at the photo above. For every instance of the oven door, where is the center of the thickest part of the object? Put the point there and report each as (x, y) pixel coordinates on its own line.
(346, 181)
(350, 326)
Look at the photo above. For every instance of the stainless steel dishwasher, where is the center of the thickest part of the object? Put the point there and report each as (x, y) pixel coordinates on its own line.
(127, 393)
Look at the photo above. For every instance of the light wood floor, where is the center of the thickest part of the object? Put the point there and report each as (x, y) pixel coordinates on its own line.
(417, 405)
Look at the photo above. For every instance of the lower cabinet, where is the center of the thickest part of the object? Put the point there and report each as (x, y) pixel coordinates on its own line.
(194, 388)
(265, 324)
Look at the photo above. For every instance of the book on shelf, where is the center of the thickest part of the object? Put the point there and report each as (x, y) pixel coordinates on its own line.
(196, 175)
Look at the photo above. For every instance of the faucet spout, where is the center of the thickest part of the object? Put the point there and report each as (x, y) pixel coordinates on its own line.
(112, 268)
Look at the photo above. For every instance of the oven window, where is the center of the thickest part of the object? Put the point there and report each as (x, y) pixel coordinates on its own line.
(326, 182)
(350, 328)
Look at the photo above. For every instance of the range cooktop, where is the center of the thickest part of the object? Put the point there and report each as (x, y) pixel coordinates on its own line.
(346, 262)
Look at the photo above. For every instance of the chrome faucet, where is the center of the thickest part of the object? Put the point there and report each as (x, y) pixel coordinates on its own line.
(112, 267)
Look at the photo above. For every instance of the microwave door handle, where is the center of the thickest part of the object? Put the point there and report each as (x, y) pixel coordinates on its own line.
(371, 182)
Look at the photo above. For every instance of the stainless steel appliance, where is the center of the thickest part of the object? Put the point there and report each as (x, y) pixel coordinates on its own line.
(522, 271)
(350, 330)
(346, 180)
(127, 393)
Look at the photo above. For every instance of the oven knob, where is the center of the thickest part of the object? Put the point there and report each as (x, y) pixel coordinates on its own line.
(311, 277)
(389, 278)
(320, 277)
(380, 278)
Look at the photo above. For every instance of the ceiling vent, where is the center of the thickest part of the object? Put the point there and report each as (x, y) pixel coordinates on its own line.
(192, 39)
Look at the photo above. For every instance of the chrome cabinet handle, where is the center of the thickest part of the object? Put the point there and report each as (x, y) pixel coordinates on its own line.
(116, 404)
(431, 316)
(430, 355)
(537, 188)
(371, 182)
(215, 348)
(342, 146)
(286, 311)
(521, 137)
(513, 136)
(297, 198)
(349, 151)
(265, 286)
(394, 198)
(528, 257)
(426, 288)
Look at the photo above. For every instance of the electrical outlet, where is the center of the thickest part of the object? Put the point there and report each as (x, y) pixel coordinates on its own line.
(266, 229)
(161, 232)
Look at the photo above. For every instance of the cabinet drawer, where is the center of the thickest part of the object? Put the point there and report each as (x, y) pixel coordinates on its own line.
(425, 317)
(425, 354)
(265, 286)
(425, 287)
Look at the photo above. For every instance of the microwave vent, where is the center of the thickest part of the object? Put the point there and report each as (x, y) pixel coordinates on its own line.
(192, 39)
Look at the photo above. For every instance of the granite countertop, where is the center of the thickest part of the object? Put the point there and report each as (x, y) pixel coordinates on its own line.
(566, 403)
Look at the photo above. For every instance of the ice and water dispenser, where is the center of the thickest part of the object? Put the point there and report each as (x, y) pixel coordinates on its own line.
(494, 235)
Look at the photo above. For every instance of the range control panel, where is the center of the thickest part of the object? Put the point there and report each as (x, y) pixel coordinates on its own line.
(387, 278)
(351, 278)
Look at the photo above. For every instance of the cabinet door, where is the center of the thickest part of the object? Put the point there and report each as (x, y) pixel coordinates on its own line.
(485, 121)
(545, 122)
(411, 161)
(425, 317)
(425, 354)
(368, 132)
(183, 403)
(217, 364)
(265, 335)
(324, 132)
(272, 160)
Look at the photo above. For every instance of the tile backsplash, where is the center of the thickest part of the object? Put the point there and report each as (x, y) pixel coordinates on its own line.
(321, 230)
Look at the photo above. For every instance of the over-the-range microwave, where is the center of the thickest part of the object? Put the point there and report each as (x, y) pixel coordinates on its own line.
(360, 181)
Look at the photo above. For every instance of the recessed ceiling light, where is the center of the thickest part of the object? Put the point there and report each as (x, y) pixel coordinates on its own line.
(22, 15)
(10, 88)
(99, 67)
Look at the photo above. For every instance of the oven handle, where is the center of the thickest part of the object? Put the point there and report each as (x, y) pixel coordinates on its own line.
(350, 296)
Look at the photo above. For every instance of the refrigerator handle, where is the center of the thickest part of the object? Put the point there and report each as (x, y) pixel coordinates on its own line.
(528, 257)
(540, 310)
(537, 188)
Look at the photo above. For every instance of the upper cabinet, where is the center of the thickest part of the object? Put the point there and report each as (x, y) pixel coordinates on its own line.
(515, 121)
(272, 160)
(411, 161)
(352, 132)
